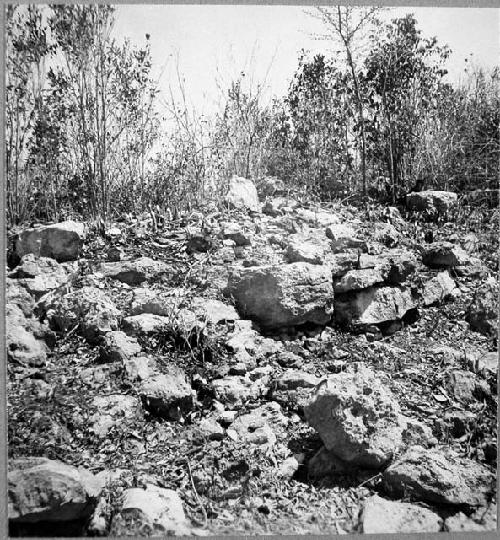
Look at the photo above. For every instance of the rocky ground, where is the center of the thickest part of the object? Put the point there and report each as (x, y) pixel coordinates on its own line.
(271, 368)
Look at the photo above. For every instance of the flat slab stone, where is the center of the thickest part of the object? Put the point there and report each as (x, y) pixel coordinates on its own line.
(380, 516)
(435, 476)
(60, 241)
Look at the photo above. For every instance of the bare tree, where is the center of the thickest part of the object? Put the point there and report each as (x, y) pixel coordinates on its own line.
(348, 26)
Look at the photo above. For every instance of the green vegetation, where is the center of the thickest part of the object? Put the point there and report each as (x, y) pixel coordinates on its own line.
(84, 135)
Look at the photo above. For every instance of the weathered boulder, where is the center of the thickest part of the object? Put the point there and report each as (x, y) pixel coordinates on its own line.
(60, 241)
(162, 303)
(39, 275)
(480, 520)
(444, 255)
(19, 296)
(433, 476)
(482, 314)
(87, 308)
(134, 272)
(462, 523)
(213, 311)
(22, 346)
(307, 248)
(287, 295)
(210, 428)
(153, 511)
(118, 347)
(242, 193)
(374, 305)
(145, 323)
(44, 490)
(343, 237)
(438, 289)
(380, 516)
(139, 368)
(317, 218)
(356, 280)
(292, 379)
(397, 265)
(167, 394)
(357, 417)
(431, 201)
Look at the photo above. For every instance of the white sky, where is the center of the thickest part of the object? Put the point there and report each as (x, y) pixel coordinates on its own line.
(204, 40)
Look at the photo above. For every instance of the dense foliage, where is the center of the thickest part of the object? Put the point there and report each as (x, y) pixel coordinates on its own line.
(84, 133)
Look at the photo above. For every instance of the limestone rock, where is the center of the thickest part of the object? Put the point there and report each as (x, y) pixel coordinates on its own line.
(139, 368)
(374, 305)
(211, 429)
(242, 193)
(213, 311)
(438, 289)
(41, 489)
(88, 308)
(145, 323)
(397, 265)
(317, 218)
(483, 312)
(307, 248)
(461, 523)
(167, 394)
(134, 272)
(39, 275)
(287, 295)
(357, 417)
(118, 347)
(343, 237)
(294, 378)
(356, 280)
(60, 241)
(22, 346)
(248, 345)
(19, 296)
(162, 303)
(380, 516)
(445, 255)
(433, 476)
(153, 511)
(431, 201)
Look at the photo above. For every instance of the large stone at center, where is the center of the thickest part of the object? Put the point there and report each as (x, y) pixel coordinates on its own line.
(277, 296)
(374, 305)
